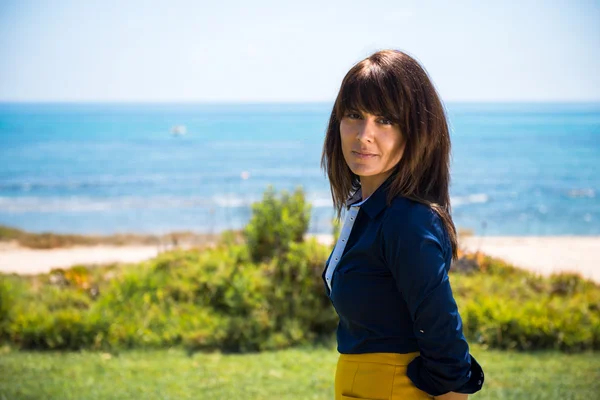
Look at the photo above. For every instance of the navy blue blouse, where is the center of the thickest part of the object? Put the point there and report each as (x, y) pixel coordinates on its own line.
(391, 291)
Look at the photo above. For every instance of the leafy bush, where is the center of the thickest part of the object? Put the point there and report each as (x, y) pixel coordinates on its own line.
(505, 307)
(65, 329)
(219, 299)
(277, 222)
(267, 293)
(51, 317)
(297, 288)
(9, 294)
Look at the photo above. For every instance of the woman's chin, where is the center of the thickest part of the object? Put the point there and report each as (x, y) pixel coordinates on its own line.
(363, 170)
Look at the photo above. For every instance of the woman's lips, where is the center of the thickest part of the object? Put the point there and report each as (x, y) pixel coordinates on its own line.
(364, 156)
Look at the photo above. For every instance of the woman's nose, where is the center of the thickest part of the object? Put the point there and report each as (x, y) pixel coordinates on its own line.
(365, 131)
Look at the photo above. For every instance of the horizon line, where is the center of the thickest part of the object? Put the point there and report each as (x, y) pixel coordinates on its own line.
(270, 102)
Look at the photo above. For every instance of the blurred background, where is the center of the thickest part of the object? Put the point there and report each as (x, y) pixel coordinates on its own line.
(129, 120)
(155, 116)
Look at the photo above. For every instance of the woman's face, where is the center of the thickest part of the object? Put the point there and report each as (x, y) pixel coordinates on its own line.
(372, 145)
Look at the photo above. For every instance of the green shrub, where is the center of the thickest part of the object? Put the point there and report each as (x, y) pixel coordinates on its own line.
(219, 299)
(49, 316)
(505, 307)
(298, 289)
(66, 329)
(267, 293)
(10, 293)
(277, 222)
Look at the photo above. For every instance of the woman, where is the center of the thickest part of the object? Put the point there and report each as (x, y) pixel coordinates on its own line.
(387, 156)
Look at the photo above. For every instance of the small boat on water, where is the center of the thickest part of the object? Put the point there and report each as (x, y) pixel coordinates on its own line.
(178, 130)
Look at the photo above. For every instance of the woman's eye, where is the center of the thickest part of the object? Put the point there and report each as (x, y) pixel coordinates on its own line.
(386, 121)
(352, 115)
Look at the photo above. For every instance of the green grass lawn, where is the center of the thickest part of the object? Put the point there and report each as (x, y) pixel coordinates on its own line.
(301, 373)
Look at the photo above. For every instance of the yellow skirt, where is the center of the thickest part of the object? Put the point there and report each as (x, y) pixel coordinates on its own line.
(376, 376)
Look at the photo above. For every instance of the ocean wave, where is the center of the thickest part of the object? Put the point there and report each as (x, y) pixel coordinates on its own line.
(317, 201)
(28, 184)
(225, 201)
(575, 193)
(24, 204)
(87, 204)
(476, 198)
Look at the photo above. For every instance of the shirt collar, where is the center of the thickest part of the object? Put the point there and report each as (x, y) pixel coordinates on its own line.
(376, 202)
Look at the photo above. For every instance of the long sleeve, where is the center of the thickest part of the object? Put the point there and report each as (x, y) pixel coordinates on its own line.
(418, 254)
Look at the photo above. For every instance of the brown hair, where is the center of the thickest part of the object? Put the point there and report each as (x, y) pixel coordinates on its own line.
(393, 84)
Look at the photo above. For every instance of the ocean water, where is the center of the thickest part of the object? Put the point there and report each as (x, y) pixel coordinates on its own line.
(518, 169)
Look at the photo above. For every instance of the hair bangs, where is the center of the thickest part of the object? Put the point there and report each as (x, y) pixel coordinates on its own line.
(368, 90)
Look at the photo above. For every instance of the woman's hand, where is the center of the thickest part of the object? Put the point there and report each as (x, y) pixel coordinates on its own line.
(452, 396)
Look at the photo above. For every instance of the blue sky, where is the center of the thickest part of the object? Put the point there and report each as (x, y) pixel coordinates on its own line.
(282, 51)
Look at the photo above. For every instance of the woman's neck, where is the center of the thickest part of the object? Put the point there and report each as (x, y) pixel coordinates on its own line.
(369, 184)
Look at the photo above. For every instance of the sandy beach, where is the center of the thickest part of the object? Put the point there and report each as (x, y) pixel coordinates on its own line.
(32, 261)
(543, 255)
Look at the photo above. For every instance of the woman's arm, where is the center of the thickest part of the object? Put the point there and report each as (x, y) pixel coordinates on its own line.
(418, 254)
